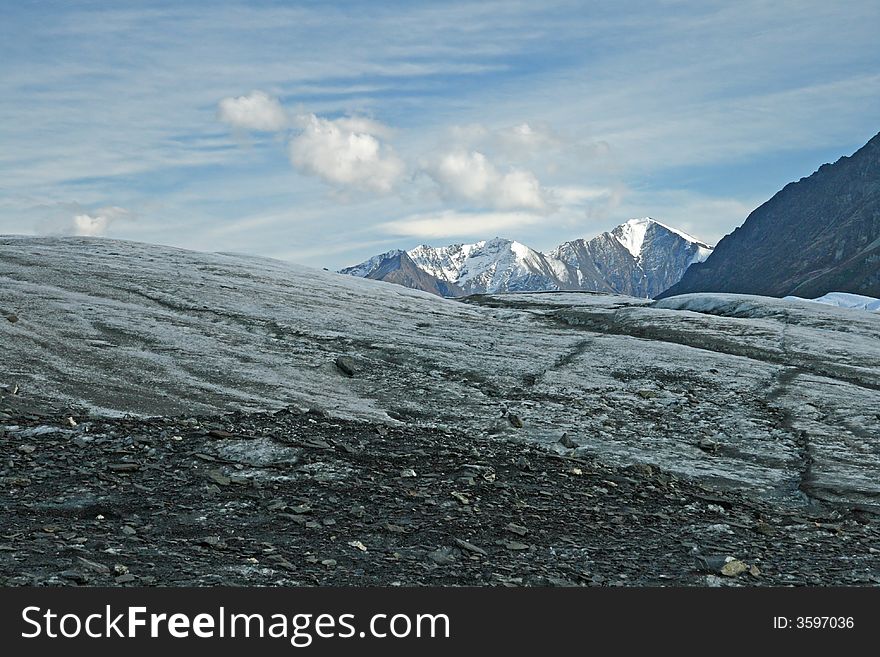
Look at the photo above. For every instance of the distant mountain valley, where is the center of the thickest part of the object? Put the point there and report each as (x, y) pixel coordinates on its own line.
(640, 258)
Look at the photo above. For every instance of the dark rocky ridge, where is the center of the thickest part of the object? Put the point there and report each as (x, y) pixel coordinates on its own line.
(818, 235)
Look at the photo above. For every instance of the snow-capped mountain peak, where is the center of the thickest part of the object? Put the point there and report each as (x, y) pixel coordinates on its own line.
(497, 263)
(631, 234)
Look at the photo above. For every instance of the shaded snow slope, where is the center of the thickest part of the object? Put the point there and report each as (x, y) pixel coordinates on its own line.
(777, 398)
(845, 300)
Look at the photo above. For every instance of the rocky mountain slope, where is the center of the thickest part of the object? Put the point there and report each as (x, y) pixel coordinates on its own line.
(398, 267)
(641, 257)
(818, 235)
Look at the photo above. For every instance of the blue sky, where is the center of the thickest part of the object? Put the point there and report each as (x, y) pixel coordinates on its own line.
(324, 132)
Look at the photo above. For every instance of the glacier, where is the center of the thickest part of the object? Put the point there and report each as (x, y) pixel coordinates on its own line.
(786, 393)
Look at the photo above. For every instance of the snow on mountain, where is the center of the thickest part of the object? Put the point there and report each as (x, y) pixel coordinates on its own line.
(397, 267)
(641, 257)
(364, 269)
(490, 265)
(844, 300)
(632, 235)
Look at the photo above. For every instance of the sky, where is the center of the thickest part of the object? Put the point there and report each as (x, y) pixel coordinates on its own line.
(326, 132)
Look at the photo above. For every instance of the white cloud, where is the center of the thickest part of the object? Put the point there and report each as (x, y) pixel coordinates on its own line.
(470, 176)
(256, 111)
(458, 224)
(346, 152)
(72, 219)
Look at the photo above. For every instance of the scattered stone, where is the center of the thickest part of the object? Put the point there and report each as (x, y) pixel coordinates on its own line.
(317, 443)
(220, 433)
(94, 565)
(516, 545)
(124, 467)
(515, 420)
(219, 478)
(641, 469)
(470, 547)
(408, 473)
(346, 365)
(733, 568)
(27, 449)
(567, 442)
(764, 528)
(708, 445)
(300, 520)
(74, 576)
(442, 557)
(70, 422)
(12, 318)
(587, 529)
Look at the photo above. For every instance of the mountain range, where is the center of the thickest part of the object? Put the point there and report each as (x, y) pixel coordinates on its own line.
(815, 236)
(640, 258)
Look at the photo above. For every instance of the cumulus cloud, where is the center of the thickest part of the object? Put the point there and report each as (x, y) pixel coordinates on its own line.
(347, 152)
(73, 219)
(451, 223)
(255, 111)
(470, 176)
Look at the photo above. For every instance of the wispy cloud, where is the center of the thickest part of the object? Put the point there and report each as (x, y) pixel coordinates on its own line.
(446, 224)
(255, 111)
(557, 117)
